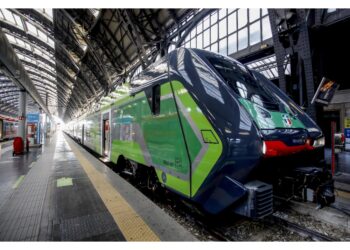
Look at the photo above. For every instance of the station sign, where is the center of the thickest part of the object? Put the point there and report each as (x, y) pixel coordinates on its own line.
(33, 117)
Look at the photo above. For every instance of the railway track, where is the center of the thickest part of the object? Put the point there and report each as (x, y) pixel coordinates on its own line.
(220, 232)
(275, 220)
(272, 221)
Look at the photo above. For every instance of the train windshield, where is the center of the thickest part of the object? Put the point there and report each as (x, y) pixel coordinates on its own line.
(244, 83)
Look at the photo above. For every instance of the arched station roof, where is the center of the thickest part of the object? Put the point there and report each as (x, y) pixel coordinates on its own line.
(74, 57)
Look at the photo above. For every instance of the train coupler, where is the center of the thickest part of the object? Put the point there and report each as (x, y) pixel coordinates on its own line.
(311, 184)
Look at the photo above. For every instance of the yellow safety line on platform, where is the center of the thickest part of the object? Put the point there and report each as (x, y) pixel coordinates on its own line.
(130, 223)
(19, 180)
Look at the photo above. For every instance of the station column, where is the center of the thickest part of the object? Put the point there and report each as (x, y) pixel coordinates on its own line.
(22, 113)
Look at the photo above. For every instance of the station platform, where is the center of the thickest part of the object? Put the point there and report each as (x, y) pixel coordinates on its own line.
(60, 192)
(342, 160)
(342, 169)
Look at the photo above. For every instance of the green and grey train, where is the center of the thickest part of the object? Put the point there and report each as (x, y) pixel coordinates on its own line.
(206, 127)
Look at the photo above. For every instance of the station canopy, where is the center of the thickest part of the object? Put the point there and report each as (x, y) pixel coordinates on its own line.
(75, 57)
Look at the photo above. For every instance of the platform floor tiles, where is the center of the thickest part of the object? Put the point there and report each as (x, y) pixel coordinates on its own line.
(62, 193)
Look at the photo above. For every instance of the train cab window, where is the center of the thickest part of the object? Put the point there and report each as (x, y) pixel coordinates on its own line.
(153, 98)
(244, 83)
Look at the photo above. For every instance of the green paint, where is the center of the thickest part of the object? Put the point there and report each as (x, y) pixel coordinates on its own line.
(140, 135)
(208, 136)
(129, 149)
(64, 182)
(164, 138)
(194, 145)
(158, 140)
(175, 183)
(166, 89)
(214, 151)
(18, 182)
(274, 121)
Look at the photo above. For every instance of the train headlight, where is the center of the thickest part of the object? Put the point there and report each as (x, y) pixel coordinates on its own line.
(264, 148)
(320, 142)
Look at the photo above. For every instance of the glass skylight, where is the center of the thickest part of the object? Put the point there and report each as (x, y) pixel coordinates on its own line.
(266, 66)
(8, 16)
(18, 21)
(34, 57)
(46, 13)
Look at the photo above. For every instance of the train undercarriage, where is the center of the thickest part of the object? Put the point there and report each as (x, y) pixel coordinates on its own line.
(303, 183)
(302, 177)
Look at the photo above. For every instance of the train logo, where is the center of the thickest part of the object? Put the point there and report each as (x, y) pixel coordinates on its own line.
(286, 121)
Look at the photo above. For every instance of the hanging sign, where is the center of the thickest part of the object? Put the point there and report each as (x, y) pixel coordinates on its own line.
(325, 91)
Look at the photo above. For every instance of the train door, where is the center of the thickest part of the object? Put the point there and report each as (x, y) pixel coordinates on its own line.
(165, 140)
(106, 134)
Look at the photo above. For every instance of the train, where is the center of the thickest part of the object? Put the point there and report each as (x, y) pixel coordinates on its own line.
(206, 127)
(8, 128)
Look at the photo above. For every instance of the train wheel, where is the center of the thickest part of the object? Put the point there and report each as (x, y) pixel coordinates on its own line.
(121, 162)
(152, 180)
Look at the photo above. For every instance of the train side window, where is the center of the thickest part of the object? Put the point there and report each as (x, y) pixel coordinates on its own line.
(156, 100)
(149, 94)
(153, 98)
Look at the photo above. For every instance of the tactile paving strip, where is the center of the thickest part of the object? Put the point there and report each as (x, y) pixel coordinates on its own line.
(130, 223)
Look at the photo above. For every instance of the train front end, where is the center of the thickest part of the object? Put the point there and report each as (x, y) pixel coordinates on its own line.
(293, 146)
(291, 163)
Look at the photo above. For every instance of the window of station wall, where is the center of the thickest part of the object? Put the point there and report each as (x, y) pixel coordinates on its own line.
(228, 31)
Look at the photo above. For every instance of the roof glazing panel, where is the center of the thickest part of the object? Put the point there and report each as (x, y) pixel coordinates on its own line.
(38, 61)
(46, 13)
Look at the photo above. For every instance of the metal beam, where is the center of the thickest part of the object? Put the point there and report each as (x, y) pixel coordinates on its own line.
(126, 22)
(92, 51)
(15, 69)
